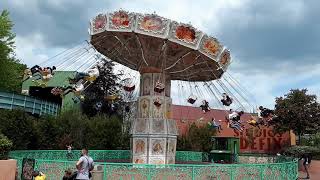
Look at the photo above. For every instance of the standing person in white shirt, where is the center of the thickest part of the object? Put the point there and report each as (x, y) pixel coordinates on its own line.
(84, 165)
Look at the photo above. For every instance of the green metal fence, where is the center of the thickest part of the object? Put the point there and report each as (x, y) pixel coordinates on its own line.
(100, 155)
(260, 167)
(54, 169)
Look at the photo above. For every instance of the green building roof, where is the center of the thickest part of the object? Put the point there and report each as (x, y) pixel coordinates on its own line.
(59, 79)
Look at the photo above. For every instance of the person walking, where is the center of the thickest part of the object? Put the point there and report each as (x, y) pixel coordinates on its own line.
(306, 163)
(84, 165)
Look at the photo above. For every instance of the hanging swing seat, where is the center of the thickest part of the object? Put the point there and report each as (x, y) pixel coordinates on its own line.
(56, 91)
(226, 102)
(27, 74)
(252, 122)
(129, 88)
(98, 106)
(157, 103)
(159, 88)
(192, 99)
(45, 72)
(127, 109)
(111, 97)
(90, 78)
(205, 106)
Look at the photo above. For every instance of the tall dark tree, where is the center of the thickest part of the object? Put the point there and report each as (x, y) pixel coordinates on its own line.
(18, 126)
(198, 138)
(105, 84)
(11, 71)
(297, 111)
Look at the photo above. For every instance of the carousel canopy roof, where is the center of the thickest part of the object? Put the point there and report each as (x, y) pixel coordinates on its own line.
(150, 43)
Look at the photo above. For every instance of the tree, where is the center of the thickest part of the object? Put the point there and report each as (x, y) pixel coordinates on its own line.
(5, 147)
(106, 83)
(71, 127)
(18, 126)
(297, 111)
(198, 138)
(11, 71)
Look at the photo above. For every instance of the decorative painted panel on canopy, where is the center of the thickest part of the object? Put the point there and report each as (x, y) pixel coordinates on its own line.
(141, 41)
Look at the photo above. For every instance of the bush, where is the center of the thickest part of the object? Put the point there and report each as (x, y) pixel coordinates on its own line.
(5, 147)
(198, 138)
(311, 140)
(298, 151)
(18, 126)
(70, 127)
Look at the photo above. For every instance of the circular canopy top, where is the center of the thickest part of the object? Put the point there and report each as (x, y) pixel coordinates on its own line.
(148, 42)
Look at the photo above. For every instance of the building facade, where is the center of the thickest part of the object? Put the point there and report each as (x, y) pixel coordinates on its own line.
(252, 139)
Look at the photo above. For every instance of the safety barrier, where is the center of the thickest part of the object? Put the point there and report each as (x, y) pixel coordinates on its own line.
(268, 168)
(28, 104)
(100, 155)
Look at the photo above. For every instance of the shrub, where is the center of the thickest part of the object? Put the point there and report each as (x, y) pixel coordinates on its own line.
(5, 147)
(298, 151)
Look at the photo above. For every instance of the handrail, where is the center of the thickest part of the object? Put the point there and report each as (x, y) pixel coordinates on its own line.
(54, 169)
(10, 100)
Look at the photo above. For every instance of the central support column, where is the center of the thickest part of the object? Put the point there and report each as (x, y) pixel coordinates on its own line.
(154, 133)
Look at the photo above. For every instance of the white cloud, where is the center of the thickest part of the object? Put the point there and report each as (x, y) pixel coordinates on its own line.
(32, 50)
(26, 47)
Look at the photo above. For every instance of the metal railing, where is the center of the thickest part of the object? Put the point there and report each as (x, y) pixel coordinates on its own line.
(28, 104)
(268, 168)
(100, 155)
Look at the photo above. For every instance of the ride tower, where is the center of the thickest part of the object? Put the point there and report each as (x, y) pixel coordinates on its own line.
(161, 50)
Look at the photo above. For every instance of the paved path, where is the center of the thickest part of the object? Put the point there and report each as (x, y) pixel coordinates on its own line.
(314, 171)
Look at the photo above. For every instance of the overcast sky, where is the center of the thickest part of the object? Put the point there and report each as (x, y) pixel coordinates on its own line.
(275, 44)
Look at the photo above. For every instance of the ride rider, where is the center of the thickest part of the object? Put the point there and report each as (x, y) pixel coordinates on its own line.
(205, 106)
(226, 100)
(91, 75)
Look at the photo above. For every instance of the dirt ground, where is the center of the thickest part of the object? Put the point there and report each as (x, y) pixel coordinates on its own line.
(314, 171)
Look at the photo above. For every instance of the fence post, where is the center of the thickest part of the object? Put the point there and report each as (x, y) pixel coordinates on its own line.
(12, 100)
(105, 171)
(149, 172)
(261, 172)
(231, 172)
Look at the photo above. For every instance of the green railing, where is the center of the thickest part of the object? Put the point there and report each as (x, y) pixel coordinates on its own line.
(28, 104)
(272, 171)
(100, 155)
(260, 167)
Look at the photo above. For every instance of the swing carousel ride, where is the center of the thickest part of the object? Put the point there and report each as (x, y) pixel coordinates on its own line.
(153, 54)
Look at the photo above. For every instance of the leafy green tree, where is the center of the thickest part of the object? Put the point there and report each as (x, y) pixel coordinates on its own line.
(297, 111)
(18, 126)
(5, 147)
(198, 138)
(73, 127)
(47, 130)
(11, 71)
(104, 133)
(106, 83)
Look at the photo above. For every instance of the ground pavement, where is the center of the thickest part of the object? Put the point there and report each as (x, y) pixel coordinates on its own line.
(314, 171)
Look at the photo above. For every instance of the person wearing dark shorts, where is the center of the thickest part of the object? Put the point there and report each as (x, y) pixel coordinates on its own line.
(306, 163)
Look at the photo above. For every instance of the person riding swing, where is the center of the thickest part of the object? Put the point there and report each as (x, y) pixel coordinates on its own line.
(205, 106)
(90, 76)
(159, 88)
(215, 125)
(226, 100)
(157, 102)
